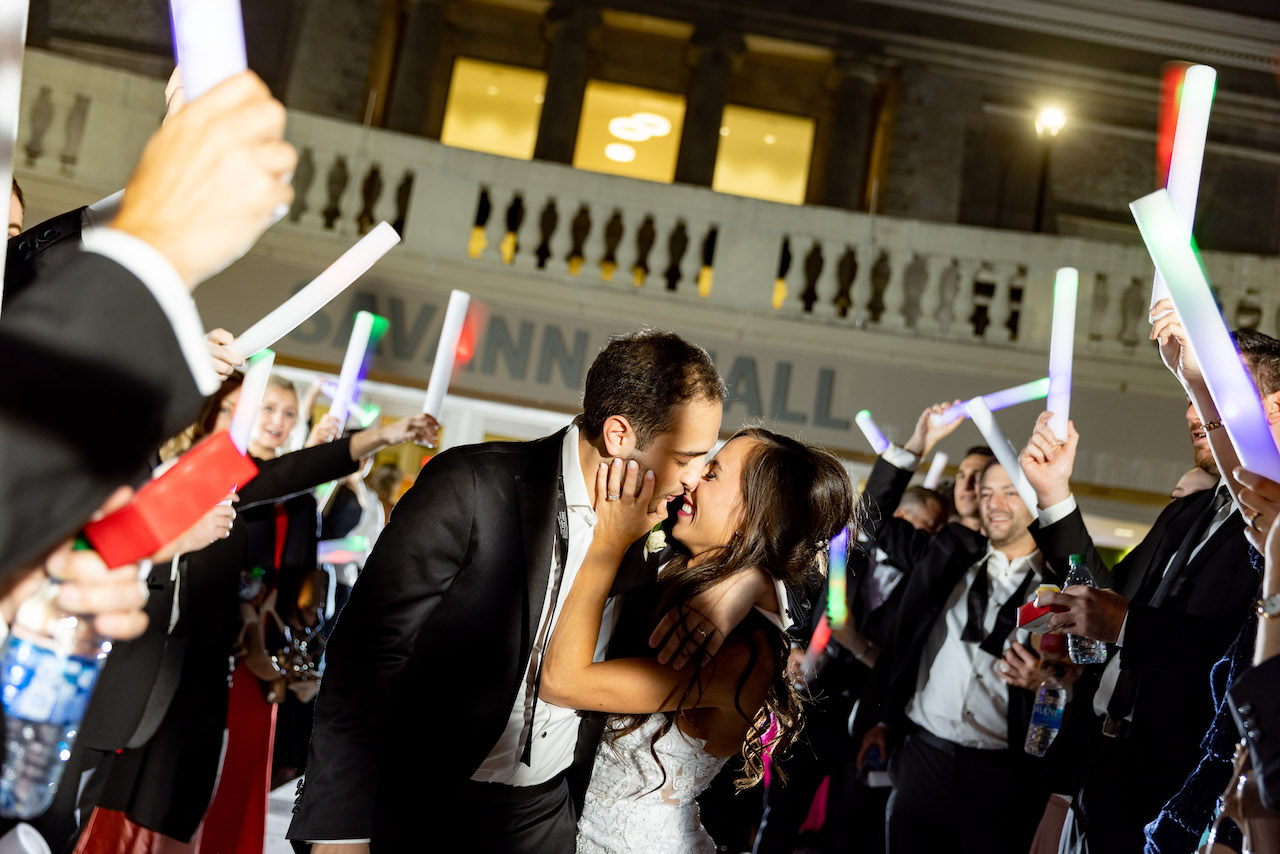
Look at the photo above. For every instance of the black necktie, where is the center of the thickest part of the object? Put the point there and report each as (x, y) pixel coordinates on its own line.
(978, 594)
(1155, 589)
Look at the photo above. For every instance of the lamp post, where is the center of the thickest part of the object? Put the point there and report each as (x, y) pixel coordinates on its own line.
(1049, 122)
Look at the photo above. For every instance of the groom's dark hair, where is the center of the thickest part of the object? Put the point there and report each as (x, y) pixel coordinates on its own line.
(644, 377)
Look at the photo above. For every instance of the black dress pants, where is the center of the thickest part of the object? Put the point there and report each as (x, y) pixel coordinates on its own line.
(497, 819)
(956, 799)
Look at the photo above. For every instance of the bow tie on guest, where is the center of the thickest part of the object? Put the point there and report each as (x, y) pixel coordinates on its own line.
(996, 571)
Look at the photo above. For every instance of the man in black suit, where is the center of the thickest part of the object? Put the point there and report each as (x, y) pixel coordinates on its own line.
(1171, 606)
(949, 701)
(428, 725)
(110, 328)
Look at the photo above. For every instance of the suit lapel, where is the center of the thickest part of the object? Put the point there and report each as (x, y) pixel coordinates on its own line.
(1226, 531)
(1170, 539)
(536, 495)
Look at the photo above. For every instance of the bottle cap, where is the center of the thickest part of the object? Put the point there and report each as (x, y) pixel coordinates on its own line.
(1076, 559)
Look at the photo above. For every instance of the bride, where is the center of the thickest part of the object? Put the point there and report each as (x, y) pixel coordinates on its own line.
(766, 502)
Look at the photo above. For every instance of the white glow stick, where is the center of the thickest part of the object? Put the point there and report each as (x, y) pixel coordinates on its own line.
(323, 288)
(353, 365)
(1062, 348)
(869, 429)
(936, 469)
(1005, 453)
(13, 35)
(1194, 105)
(1034, 390)
(208, 38)
(446, 352)
(1232, 388)
(251, 391)
(25, 839)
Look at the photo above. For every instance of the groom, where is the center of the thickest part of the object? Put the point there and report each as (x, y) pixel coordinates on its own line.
(428, 728)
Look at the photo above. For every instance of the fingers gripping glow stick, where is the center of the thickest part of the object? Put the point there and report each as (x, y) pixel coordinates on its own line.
(1194, 106)
(341, 273)
(837, 608)
(13, 35)
(446, 352)
(869, 429)
(1061, 349)
(208, 38)
(1005, 454)
(936, 468)
(1035, 390)
(251, 391)
(365, 332)
(1232, 388)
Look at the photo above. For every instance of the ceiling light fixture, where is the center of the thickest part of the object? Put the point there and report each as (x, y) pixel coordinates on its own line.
(619, 152)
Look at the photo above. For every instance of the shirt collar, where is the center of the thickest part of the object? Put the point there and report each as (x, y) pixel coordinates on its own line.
(576, 495)
(999, 566)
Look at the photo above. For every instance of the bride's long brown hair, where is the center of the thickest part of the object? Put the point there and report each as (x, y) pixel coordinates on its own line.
(795, 498)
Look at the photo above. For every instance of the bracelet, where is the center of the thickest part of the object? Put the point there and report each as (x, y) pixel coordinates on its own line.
(1212, 425)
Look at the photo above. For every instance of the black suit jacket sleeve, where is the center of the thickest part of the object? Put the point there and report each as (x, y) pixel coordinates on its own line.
(1254, 700)
(898, 538)
(95, 380)
(417, 557)
(296, 472)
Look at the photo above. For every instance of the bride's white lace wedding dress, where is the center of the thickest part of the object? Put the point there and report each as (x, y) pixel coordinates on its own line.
(630, 809)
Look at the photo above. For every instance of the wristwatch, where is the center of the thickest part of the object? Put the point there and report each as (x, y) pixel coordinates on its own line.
(1269, 606)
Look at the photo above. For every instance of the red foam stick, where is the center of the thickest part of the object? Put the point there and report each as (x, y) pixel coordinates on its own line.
(173, 502)
(1170, 97)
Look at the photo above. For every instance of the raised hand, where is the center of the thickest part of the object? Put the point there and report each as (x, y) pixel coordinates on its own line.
(326, 430)
(416, 428)
(1175, 349)
(927, 433)
(213, 526)
(225, 359)
(1259, 502)
(1048, 463)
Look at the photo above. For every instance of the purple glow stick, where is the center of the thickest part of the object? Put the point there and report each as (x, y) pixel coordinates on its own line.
(365, 332)
(208, 38)
(1061, 349)
(869, 429)
(1035, 390)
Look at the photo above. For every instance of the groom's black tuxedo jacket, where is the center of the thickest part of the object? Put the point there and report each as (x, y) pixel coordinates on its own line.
(425, 662)
(934, 564)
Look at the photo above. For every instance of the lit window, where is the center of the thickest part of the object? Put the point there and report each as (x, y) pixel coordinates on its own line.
(626, 130)
(493, 108)
(764, 155)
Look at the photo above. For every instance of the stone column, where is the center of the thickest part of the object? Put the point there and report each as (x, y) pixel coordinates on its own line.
(855, 88)
(569, 27)
(409, 98)
(712, 54)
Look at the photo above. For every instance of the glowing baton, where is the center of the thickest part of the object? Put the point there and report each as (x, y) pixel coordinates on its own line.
(341, 273)
(837, 608)
(817, 643)
(1061, 349)
(1005, 453)
(364, 413)
(251, 391)
(13, 36)
(365, 333)
(208, 37)
(455, 317)
(1194, 104)
(869, 429)
(1035, 390)
(347, 550)
(1232, 388)
(936, 469)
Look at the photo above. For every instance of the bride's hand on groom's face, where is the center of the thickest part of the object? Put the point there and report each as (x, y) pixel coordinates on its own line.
(623, 496)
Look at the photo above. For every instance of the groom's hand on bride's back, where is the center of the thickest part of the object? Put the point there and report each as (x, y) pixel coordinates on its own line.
(697, 628)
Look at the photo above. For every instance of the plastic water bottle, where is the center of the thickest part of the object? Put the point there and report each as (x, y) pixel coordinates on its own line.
(51, 663)
(1083, 650)
(1046, 717)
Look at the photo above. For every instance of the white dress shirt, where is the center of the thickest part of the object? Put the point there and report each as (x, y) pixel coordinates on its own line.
(554, 729)
(959, 696)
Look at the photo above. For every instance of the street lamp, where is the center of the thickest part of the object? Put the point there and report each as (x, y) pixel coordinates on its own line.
(1049, 122)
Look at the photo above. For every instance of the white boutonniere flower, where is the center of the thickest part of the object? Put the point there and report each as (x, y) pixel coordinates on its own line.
(656, 542)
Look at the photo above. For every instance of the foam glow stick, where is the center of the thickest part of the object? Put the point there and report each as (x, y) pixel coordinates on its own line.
(365, 333)
(455, 317)
(936, 469)
(817, 643)
(1025, 393)
(323, 288)
(343, 551)
(1232, 388)
(1194, 104)
(251, 391)
(837, 608)
(869, 429)
(1004, 451)
(1062, 348)
(208, 38)
(13, 36)
(364, 413)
